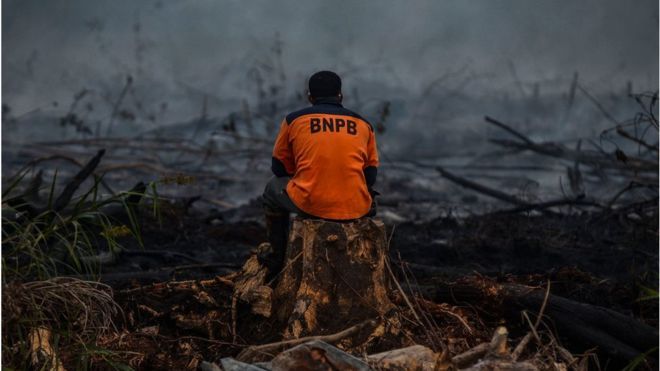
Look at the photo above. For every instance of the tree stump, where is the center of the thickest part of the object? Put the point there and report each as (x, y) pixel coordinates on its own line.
(334, 276)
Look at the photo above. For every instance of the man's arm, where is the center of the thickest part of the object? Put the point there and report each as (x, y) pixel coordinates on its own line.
(370, 173)
(371, 166)
(278, 168)
(282, 163)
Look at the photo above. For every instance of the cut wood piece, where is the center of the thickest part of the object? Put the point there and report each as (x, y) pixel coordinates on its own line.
(471, 356)
(498, 356)
(42, 353)
(500, 365)
(267, 351)
(261, 300)
(413, 358)
(334, 272)
(317, 355)
(250, 286)
(230, 364)
(498, 344)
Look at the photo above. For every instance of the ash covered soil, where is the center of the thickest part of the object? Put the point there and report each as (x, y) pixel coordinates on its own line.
(595, 258)
(191, 242)
(176, 312)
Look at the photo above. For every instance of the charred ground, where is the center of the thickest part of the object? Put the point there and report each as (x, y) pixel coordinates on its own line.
(168, 249)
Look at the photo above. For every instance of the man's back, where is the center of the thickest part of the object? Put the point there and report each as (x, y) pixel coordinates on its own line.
(326, 148)
(324, 161)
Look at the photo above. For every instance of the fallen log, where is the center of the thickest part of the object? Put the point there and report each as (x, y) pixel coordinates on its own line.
(66, 195)
(619, 336)
(481, 188)
(63, 157)
(593, 158)
(416, 357)
(21, 205)
(508, 129)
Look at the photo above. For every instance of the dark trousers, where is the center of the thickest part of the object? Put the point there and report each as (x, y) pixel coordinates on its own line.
(277, 208)
(276, 200)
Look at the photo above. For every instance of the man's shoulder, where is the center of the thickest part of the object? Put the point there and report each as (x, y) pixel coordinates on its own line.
(291, 117)
(348, 112)
(324, 109)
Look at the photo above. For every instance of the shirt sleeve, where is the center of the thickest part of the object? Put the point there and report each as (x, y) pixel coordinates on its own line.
(372, 151)
(282, 149)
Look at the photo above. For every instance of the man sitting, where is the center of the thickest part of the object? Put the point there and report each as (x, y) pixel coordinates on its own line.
(325, 162)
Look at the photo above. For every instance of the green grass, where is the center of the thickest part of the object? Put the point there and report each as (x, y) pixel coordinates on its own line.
(40, 245)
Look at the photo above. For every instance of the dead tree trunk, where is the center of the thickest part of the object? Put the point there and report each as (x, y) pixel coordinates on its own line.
(334, 274)
(620, 336)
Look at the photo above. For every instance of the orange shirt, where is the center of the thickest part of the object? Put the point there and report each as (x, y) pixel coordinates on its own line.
(326, 147)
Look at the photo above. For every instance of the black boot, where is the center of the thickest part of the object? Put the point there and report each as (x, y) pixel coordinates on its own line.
(277, 230)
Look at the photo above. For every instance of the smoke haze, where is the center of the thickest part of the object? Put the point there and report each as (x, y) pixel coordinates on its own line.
(54, 48)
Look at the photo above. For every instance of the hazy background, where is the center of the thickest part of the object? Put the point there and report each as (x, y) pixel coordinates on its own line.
(425, 71)
(52, 48)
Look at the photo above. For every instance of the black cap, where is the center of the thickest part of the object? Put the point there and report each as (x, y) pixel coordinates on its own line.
(324, 84)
